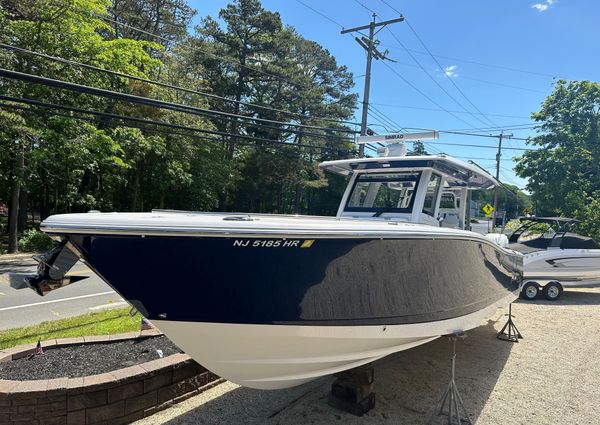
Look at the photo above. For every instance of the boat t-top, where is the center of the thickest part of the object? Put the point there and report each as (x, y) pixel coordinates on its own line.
(556, 257)
(273, 301)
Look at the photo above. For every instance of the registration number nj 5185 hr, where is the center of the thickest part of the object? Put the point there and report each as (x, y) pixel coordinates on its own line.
(274, 243)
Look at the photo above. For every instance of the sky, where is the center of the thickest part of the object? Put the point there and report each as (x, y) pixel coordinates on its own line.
(495, 63)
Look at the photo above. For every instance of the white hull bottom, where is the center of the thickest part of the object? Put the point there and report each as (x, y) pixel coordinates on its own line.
(282, 356)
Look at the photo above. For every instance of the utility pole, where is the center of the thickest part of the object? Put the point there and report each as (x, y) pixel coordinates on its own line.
(498, 157)
(370, 45)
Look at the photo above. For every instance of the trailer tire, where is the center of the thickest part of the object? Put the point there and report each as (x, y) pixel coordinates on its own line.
(552, 290)
(530, 291)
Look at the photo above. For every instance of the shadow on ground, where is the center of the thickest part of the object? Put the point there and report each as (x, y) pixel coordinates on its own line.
(14, 270)
(16, 265)
(408, 384)
(15, 280)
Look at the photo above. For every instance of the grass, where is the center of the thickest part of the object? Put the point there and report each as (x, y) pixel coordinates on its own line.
(103, 323)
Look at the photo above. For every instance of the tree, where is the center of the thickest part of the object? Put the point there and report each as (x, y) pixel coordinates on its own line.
(54, 160)
(266, 68)
(564, 172)
(418, 149)
(75, 164)
(247, 38)
(510, 199)
(168, 19)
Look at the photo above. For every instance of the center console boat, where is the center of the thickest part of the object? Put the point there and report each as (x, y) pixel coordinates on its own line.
(273, 301)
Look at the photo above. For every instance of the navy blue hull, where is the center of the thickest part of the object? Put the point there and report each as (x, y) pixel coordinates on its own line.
(326, 281)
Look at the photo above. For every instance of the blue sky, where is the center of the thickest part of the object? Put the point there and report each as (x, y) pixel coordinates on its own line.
(503, 56)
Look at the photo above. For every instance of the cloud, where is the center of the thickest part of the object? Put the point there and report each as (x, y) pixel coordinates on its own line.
(542, 7)
(450, 71)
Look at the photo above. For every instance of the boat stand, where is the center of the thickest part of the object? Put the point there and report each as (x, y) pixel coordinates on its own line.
(352, 391)
(451, 404)
(509, 331)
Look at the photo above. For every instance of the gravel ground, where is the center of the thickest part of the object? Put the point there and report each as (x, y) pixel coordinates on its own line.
(552, 376)
(90, 359)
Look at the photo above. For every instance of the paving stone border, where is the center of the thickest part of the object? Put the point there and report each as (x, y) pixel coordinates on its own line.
(118, 397)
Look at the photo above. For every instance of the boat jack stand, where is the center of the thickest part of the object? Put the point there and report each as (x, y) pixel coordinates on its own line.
(509, 331)
(352, 391)
(451, 404)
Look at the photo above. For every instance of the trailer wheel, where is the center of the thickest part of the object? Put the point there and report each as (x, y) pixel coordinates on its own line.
(552, 290)
(530, 291)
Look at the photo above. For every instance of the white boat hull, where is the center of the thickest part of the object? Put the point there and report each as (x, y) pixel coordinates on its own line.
(282, 356)
(570, 267)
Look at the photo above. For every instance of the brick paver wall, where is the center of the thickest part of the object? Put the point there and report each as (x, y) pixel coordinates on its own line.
(117, 397)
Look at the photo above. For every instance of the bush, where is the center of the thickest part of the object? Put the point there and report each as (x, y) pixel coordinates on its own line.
(589, 215)
(33, 240)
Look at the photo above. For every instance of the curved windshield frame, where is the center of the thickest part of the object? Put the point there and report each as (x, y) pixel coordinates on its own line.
(384, 192)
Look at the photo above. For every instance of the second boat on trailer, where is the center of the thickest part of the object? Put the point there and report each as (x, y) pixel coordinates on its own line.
(273, 301)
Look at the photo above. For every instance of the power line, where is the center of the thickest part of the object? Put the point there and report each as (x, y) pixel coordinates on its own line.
(441, 110)
(501, 127)
(424, 95)
(169, 132)
(483, 159)
(399, 128)
(463, 133)
(149, 101)
(434, 80)
(395, 127)
(158, 83)
(474, 62)
(462, 76)
(474, 146)
(321, 14)
(170, 126)
(365, 7)
(370, 45)
(508, 179)
(442, 69)
(510, 86)
(390, 6)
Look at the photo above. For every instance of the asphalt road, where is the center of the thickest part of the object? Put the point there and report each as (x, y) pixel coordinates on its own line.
(481, 227)
(21, 306)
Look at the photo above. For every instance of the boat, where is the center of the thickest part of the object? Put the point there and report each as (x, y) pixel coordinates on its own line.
(274, 301)
(556, 257)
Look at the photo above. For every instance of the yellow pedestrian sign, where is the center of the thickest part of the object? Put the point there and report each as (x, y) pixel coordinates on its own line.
(488, 209)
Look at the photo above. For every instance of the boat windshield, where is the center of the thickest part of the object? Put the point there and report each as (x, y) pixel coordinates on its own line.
(449, 201)
(384, 192)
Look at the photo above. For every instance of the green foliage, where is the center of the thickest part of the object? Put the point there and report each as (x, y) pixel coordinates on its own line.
(564, 174)
(168, 18)
(510, 199)
(32, 240)
(74, 165)
(589, 214)
(312, 86)
(418, 149)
